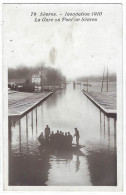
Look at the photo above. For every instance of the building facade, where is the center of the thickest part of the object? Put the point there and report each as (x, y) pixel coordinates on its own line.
(36, 79)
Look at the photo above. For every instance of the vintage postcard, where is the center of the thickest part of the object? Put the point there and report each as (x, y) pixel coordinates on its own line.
(62, 67)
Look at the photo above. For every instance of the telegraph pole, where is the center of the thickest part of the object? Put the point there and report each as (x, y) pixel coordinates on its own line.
(41, 79)
(107, 79)
(103, 80)
(87, 84)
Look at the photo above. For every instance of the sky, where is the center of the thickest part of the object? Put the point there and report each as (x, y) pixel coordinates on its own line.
(76, 48)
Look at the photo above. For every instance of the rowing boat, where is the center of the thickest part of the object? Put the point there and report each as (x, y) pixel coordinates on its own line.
(62, 146)
(49, 145)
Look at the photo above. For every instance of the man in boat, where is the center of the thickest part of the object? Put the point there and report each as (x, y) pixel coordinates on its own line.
(41, 138)
(60, 139)
(63, 140)
(70, 139)
(52, 138)
(57, 134)
(47, 133)
(66, 140)
(77, 136)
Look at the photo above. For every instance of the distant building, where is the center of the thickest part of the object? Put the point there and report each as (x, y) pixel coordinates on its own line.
(22, 85)
(36, 79)
(16, 81)
(15, 84)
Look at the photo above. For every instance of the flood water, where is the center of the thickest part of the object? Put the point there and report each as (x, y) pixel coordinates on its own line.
(93, 165)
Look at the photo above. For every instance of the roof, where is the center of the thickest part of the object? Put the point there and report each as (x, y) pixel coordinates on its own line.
(16, 81)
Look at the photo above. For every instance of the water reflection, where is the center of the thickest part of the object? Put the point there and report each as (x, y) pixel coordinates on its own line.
(77, 163)
(115, 133)
(20, 137)
(27, 132)
(102, 166)
(30, 164)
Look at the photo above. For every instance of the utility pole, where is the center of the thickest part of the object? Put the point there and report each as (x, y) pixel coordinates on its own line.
(107, 79)
(41, 79)
(87, 84)
(103, 80)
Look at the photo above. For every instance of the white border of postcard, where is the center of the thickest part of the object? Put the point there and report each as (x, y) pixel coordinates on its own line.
(119, 127)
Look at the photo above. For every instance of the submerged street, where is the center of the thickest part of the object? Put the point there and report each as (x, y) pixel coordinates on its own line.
(93, 165)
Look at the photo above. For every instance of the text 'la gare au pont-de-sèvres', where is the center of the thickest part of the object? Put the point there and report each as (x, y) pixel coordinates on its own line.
(66, 17)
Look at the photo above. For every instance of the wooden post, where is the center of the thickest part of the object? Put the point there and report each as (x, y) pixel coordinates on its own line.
(36, 120)
(27, 131)
(104, 124)
(115, 133)
(42, 109)
(26, 122)
(36, 115)
(108, 126)
(100, 124)
(32, 120)
(114, 126)
(9, 134)
(20, 136)
(108, 131)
